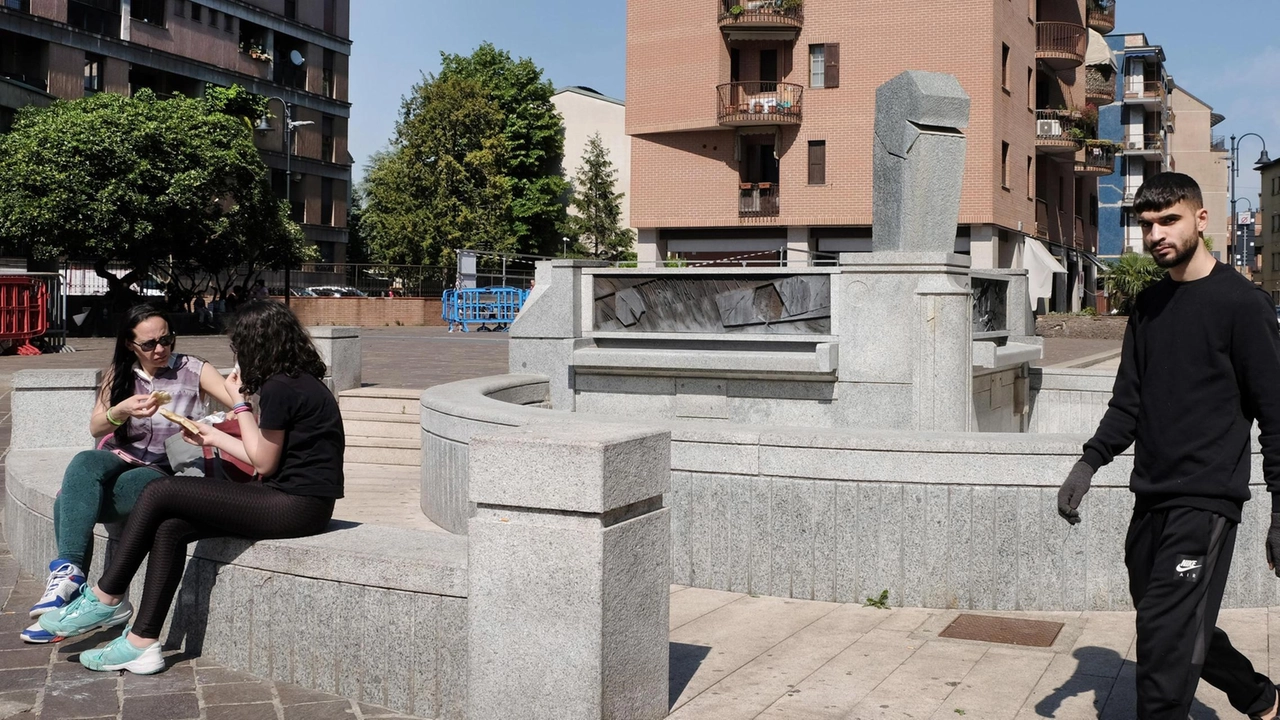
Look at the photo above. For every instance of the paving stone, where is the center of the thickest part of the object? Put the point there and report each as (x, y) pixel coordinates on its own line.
(27, 657)
(230, 693)
(333, 710)
(215, 675)
(380, 713)
(25, 679)
(14, 703)
(81, 699)
(176, 706)
(291, 694)
(249, 711)
(172, 680)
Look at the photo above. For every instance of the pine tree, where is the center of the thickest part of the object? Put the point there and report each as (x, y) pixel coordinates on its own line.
(596, 223)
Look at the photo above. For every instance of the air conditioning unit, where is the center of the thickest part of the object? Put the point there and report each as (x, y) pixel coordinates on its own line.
(1135, 144)
(1048, 128)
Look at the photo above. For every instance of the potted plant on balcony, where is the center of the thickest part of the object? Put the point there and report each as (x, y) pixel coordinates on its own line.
(788, 6)
(737, 10)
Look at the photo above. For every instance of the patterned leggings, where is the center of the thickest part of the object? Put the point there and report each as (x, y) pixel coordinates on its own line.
(173, 511)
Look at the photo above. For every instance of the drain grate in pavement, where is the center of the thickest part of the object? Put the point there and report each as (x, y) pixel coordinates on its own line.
(1011, 631)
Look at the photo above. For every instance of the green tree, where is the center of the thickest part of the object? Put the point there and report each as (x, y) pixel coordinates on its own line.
(170, 185)
(597, 223)
(441, 184)
(1129, 275)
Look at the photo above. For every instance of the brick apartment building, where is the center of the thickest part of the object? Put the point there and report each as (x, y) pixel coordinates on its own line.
(752, 125)
(1267, 238)
(295, 50)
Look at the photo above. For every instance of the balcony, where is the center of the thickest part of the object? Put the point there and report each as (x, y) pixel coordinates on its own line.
(744, 104)
(1218, 143)
(1096, 159)
(1144, 91)
(762, 18)
(1058, 131)
(1102, 15)
(1149, 144)
(1042, 219)
(1100, 85)
(1061, 45)
(757, 200)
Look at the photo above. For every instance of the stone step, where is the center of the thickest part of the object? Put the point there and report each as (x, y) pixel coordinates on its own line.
(395, 406)
(377, 441)
(392, 427)
(368, 455)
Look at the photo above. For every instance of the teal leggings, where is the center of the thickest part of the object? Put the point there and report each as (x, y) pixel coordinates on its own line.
(98, 486)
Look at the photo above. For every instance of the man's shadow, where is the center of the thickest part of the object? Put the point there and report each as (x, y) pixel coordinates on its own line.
(1081, 682)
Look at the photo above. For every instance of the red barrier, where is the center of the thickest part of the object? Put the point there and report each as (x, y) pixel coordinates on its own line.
(23, 311)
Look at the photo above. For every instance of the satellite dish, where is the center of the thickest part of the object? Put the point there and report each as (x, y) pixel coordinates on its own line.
(296, 57)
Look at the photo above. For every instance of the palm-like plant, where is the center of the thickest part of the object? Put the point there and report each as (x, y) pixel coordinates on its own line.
(1128, 276)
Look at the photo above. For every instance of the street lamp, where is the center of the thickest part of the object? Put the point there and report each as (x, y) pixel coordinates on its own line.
(289, 124)
(1232, 173)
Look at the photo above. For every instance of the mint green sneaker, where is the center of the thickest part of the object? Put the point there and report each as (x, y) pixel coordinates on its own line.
(120, 654)
(85, 614)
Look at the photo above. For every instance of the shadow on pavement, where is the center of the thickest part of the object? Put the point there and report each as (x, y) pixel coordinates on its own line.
(684, 662)
(1081, 683)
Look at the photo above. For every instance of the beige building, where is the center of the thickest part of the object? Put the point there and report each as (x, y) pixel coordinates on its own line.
(294, 50)
(1196, 151)
(1268, 238)
(752, 126)
(587, 112)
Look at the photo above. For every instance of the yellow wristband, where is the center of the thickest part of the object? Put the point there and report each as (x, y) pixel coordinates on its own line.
(112, 420)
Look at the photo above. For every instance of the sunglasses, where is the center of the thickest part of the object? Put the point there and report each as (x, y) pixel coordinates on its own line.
(150, 345)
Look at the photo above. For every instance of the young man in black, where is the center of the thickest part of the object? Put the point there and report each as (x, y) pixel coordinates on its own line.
(1200, 363)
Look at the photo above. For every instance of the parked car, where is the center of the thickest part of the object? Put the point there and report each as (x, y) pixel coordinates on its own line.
(336, 291)
(293, 291)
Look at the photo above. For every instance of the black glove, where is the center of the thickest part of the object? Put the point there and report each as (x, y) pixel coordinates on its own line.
(1073, 490)
(1273, 544)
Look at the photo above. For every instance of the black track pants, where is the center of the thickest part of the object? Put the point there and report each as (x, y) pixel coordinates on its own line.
(1178, 560)
(174, 511)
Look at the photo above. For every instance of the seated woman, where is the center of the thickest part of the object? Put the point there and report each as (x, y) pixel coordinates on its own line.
(296, 446)
(103, 485)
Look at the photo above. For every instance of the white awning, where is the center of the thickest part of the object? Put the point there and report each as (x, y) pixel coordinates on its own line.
(1098, 52)
(1040, 265)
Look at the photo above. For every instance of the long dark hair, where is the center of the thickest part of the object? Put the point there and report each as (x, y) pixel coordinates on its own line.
(267, 340)
(123, 358)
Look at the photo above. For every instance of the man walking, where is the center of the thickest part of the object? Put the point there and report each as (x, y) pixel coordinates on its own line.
(1200, 362)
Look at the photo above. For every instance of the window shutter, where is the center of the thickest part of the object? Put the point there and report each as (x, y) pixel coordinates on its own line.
(817, 162)
(832, 74)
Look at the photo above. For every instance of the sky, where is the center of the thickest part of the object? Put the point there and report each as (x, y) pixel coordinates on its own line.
(1225, 53)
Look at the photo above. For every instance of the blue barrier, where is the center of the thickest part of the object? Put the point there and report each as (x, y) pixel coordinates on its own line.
(482, 306)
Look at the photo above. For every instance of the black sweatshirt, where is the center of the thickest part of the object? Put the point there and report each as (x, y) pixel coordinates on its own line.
(1201, 362)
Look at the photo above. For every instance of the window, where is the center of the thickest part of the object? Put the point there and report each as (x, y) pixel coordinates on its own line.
(326, 75)
(92, 74)
(1031, 89)
(1275, 185)
(19, 5)
(179, 8)
(817, 65)
(330, 16)
(1093, 209)
(96, 16)
(213, 18)
(197, 12)
(817, 162)
(148, 11)
(1062, 195)
(1004, 66)
(291, 9)
(1031, 178)
(768, 71)
(1275, 222)
(326, 139)
(735, 65)
(228, 22)
(326, 201)
(1004, 165)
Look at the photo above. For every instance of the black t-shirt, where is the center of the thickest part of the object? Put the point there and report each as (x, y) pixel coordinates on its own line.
(1200, 363)
(314, 441)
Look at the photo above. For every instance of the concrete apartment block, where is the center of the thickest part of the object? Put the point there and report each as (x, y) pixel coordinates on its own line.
(753, 130)
(569, 562)
(1268, 238)
(585, 113)
(1196, 151)
(296, 51)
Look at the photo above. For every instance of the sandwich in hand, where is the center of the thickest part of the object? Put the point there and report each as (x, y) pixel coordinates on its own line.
(186, 424)
(162, 397)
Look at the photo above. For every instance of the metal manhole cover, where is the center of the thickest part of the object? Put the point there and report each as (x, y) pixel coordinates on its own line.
(1011, 631)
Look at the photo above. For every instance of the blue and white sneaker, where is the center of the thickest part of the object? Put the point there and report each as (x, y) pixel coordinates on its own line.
(62, 587)
(39, 636)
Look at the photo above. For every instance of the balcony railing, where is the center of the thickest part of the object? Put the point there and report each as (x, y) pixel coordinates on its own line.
(28, 80)
(1102, 15)
(1145, 90)
(1042, 219)
(1061, 45)
(1218, 143)
(1150, 142)
(757, 200)
(1058, 131)
(759, 103)
(1100, 85)
(761, 14)
(1096, 160)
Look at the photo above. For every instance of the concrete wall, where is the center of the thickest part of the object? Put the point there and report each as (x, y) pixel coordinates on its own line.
(585, 115)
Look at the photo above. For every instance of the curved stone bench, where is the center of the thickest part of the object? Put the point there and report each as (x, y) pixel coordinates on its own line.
(385, 608)
(943, 520)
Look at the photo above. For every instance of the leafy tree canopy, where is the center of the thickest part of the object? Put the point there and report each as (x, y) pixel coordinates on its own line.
(595, 225)
(171, 185)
